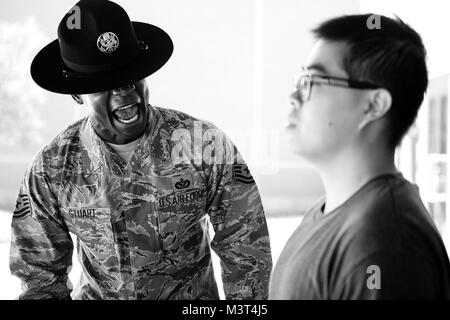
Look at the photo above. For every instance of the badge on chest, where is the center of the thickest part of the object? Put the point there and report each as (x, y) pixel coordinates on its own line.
(185, 192)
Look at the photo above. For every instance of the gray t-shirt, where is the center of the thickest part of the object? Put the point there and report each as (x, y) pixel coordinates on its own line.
(380, 244)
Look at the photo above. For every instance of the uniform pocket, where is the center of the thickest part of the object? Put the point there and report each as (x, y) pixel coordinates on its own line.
(91, 225)
(178, 217)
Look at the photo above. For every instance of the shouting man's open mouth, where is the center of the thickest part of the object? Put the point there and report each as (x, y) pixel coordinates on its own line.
(127, 114)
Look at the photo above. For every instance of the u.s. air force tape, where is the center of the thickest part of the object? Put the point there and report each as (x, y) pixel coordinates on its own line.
(23, 207)
(242, 174)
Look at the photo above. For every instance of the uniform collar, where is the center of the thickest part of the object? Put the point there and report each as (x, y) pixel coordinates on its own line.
(98, 153)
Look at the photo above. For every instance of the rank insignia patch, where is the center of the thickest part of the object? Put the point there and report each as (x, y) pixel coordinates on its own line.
(23, 207)
(242, 174)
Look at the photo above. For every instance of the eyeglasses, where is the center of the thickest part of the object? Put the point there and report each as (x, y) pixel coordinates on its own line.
(304, 83)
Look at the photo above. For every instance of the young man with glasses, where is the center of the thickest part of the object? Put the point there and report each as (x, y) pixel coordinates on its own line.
(370, 237)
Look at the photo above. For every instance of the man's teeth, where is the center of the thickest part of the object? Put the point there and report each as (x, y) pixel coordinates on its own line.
(127, 114)
(125, 107)
(130, 120)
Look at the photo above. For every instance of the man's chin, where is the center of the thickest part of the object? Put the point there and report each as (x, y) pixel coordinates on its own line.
(132, 131)
(299, 149)
(295, 145)
(125, 138)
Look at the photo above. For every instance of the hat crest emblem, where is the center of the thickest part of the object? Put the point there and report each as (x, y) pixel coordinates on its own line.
(107, 42)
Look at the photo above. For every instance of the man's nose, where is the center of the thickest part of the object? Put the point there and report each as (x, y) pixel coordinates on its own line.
(124, 90)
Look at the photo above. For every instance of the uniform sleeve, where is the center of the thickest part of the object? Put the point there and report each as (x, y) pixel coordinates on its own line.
(241, 236)
(41, 246)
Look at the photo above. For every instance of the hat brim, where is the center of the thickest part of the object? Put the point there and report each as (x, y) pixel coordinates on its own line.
(47, 67)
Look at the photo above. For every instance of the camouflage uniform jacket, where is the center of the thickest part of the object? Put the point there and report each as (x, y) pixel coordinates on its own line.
(141, 226)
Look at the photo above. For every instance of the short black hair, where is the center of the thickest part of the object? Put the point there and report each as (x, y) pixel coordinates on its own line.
(392, 56)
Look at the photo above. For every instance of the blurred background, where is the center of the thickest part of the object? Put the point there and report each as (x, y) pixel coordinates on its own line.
(233, 64)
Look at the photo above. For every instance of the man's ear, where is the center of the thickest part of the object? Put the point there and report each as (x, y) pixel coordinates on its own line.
(78, 99)
(379, 103)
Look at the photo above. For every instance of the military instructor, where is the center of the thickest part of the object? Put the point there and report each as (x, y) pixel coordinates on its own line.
(125, 183)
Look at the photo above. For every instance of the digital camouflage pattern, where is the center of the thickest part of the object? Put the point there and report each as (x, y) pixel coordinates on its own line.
(141, 226)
